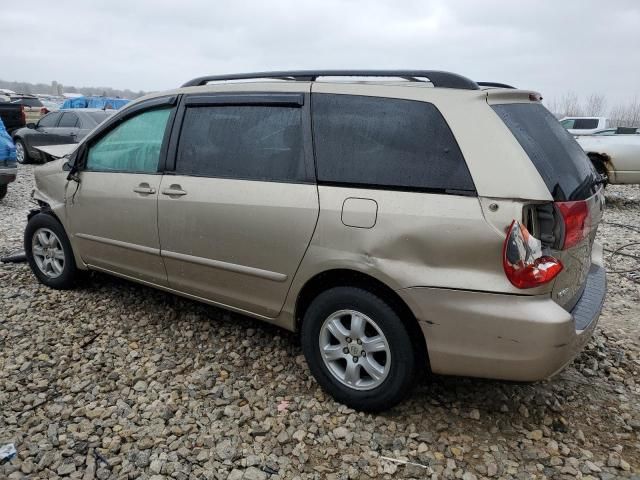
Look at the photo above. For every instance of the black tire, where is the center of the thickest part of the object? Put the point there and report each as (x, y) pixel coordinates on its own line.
(599, 165)
(26, 159)
(400, 378)
(3, 191)
(68, 277)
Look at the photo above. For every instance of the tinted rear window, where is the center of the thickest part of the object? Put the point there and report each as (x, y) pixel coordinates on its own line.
(561, 162)
(585, 123)
(386, 142)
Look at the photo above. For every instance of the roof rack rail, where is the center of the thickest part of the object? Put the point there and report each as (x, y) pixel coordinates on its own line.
(435, 77)
(494, 84)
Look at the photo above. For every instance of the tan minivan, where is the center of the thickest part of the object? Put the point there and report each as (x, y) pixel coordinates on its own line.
(399, 220)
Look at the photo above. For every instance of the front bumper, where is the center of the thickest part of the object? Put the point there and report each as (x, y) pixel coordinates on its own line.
(509, 337)
(8, 175)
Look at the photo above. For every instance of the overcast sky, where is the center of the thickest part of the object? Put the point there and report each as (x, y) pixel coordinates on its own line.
(552, 46)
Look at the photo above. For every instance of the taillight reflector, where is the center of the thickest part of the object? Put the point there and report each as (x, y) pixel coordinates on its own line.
(522, 259)
(577, 222)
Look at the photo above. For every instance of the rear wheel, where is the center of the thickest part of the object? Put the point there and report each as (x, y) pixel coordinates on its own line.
(22, 156)
(358, 349)
(49, 252)
(3, 191)
(599, 164)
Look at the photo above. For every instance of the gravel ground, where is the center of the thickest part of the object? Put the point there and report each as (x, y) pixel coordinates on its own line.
(116, 380)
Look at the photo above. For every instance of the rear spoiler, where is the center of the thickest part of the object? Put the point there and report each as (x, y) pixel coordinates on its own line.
(511, 95)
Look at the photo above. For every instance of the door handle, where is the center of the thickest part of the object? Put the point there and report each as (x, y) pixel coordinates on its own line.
(174, 191)
(144, 188)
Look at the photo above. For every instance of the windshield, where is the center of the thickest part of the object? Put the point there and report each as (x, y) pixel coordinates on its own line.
(561, 162)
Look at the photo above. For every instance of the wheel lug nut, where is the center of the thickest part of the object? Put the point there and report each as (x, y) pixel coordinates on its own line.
(345, 350)
(348, 339)
(359, 342)
(355, 359)
(364, 354)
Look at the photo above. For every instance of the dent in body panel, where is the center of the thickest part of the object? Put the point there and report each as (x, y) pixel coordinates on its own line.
(419, 239)
(53, 189)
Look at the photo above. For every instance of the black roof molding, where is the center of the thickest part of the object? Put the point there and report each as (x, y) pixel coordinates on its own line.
(494, 84)
(436, 77)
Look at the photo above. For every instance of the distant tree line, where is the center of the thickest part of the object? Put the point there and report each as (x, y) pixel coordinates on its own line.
(621, 115)
(55, 88)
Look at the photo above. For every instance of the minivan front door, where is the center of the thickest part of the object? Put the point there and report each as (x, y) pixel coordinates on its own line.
(237, 214)
(113, 213)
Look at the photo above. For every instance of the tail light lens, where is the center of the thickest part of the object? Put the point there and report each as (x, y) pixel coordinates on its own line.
(522, 259)
(577, 222)
(44, 111)
(22, 114)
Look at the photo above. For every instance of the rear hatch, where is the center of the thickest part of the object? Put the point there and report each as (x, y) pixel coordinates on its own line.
(568, 226)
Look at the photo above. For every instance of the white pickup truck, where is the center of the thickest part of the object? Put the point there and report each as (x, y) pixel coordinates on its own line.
(584, 125)
(615, 155)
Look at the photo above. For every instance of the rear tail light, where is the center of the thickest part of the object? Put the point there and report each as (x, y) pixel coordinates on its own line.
(523, 261)
(577, 222)
(44, 111)
(23, 116)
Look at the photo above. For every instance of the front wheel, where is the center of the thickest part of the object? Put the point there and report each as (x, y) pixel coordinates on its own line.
(49, 252)
(358, 349)
(22, 156)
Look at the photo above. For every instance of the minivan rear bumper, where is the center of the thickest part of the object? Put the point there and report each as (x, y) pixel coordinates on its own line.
(521, 338)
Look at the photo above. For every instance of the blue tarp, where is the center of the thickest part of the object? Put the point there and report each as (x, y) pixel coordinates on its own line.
(7, 148)
(95, 102)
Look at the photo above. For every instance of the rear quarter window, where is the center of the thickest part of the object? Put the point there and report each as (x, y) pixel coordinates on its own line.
(560, 161)
(585, 123)
(386, 143)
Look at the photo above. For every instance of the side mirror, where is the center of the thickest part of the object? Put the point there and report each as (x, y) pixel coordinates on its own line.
(32, 126)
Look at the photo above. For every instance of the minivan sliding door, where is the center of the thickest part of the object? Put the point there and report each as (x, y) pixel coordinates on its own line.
(237, 213)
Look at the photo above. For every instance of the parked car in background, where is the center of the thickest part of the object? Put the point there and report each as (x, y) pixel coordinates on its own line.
(12, 116)
(32, 107)
(584, 125)
(5, 95)
(56, 128)
(397, 226)
(8, 169)
(616, 156)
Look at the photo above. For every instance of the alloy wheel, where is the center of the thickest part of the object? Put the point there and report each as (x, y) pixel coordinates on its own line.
(20, 152)
(48, 252)
(355, 350)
